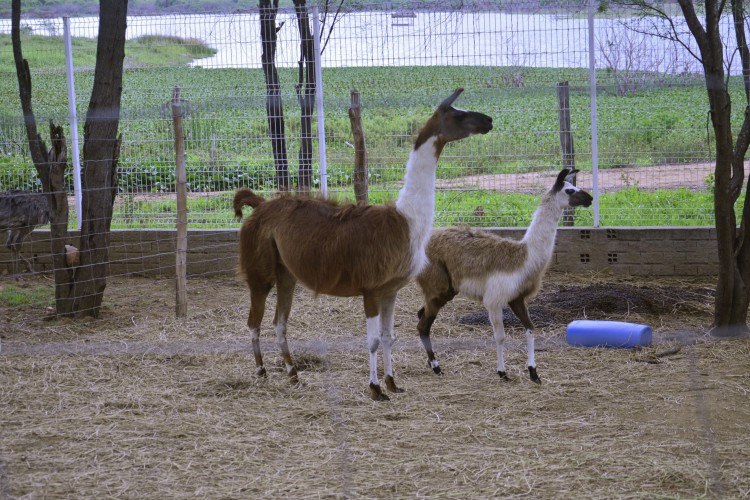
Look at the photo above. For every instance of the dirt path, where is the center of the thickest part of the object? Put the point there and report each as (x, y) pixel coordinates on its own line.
(691, 176)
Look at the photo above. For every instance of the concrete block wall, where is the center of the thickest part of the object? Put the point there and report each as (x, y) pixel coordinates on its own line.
(654, 251)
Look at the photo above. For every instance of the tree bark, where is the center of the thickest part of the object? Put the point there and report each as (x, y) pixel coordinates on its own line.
(101, 152)
(50, 166)
(732, 297)
(305, 94)
(274, 105)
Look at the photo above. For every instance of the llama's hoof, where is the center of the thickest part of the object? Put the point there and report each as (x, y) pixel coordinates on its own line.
(293, 378)
(534, 377)
(261, 372)
(377, 394)
(503, 376)
(391, 385)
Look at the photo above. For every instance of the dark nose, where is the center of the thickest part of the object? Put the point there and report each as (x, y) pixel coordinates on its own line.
(587, 200)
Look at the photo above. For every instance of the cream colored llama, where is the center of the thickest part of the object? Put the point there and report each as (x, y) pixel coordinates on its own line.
(495, 271)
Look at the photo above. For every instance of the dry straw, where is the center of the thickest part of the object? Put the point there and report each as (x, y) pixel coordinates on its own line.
(142, 405)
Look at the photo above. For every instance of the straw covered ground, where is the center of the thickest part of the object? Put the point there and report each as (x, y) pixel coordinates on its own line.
(139, 404)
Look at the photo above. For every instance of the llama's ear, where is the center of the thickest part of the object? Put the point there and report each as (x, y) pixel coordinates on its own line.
(446, 103)
(561, 178)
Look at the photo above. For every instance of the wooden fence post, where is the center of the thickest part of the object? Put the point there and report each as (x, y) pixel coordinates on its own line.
(566, 141)
(360, 151)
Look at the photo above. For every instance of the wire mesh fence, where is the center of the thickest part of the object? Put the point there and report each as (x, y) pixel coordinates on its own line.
(650, 108)
(638, 120)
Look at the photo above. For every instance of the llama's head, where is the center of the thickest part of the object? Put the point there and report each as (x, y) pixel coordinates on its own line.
(448, 124)
(568, 195)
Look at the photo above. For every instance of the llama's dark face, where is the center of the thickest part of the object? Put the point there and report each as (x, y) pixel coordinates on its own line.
(567, 194)
(450, 124)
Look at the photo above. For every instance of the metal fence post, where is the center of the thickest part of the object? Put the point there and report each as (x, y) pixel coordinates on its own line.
(73, 120)
(319, 104)
(594, 132)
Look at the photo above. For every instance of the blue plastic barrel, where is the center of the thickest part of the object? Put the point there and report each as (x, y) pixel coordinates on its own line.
(595, 333)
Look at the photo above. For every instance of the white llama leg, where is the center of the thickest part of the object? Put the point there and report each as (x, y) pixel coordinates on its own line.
(530, 348)
(387, 338)
(531, 365)
(496, 318)
(373, 342)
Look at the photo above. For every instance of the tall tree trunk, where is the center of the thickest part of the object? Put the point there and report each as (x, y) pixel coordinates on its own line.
(274, 105)
(732, 297)
(305, 93)
(101, 152)
(50, 166)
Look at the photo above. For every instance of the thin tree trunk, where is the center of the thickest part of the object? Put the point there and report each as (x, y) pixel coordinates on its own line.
(274, 105)
(305, 94)
(732, 298)
(101, 152)
(50, 166)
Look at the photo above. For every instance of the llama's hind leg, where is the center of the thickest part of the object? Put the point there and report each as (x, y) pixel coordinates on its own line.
(519, 308)
(387, 311)
(285, 295)
(428, 313)
(258, 296)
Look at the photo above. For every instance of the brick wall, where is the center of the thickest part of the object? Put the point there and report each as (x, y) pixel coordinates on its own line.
(656, 251)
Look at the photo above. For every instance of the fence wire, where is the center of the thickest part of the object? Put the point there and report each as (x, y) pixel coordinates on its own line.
(651, 108)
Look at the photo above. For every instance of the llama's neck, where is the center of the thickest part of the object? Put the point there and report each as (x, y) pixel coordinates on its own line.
(540, 236)
(416, 200)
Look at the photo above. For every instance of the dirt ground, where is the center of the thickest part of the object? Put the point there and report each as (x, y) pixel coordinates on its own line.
(139, 404)
(665, 176)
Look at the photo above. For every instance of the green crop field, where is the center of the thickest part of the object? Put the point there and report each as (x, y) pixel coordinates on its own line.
(227, 146)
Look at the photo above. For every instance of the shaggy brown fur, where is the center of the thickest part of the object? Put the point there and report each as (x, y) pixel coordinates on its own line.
(348, 250)
(342, 249)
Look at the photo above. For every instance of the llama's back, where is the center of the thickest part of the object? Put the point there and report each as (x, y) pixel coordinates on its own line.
(330, 248)
(467, 252)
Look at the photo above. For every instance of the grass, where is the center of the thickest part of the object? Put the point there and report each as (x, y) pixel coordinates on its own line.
(629, 207)
(13, 296)
(225, 127)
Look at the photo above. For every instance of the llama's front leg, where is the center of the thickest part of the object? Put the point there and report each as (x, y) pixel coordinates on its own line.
(387, 311)
(496, 318)
(519, 308)
(373, 342)
(531, 362)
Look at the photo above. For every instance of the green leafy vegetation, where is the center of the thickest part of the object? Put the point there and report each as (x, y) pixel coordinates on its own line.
(225, 128)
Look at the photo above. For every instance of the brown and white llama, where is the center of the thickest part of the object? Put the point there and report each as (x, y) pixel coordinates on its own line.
(495, 271)
(348, 250)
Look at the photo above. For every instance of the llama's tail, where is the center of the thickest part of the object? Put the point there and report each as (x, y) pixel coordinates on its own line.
(243, 197)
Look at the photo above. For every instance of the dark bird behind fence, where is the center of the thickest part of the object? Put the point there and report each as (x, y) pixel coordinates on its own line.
(21, 212)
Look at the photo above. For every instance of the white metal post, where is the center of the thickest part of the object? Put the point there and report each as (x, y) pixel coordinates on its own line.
(594, 132)
(319, 104)
(73, 120)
